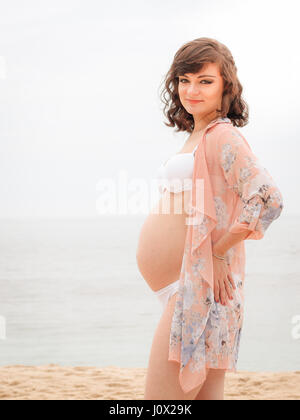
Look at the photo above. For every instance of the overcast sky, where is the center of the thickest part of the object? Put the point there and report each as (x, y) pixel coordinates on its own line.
(79, 89)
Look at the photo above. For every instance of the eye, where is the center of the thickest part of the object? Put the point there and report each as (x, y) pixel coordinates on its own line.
(206, 81)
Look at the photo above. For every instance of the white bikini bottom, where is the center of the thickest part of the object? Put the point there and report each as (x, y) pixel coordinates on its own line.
(165, 293)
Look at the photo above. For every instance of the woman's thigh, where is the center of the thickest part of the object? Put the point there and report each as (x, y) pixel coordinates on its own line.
(162, 378)
(213, 387)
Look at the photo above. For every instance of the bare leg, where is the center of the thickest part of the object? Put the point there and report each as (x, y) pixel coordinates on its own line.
(162, 380)
(213, 387)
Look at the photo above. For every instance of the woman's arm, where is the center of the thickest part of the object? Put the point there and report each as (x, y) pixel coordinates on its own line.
(227, 241)
(260, 200)
(260, 203)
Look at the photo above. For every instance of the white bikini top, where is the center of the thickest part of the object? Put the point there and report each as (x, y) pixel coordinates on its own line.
(176, 174)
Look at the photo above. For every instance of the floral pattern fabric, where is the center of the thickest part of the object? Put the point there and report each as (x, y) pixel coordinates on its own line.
(239, 195)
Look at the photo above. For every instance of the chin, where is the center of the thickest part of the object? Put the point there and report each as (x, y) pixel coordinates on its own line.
(196, 109)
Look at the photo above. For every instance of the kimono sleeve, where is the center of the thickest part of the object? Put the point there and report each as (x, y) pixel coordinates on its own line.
(260, 202)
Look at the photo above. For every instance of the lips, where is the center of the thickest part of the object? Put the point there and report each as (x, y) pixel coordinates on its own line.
(192, 101)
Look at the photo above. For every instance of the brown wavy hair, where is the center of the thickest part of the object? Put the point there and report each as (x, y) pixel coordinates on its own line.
(190, 58)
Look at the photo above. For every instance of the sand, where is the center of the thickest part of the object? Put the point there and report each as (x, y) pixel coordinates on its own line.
(54, 382)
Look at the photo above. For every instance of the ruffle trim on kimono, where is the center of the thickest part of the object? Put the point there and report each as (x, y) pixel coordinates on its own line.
(195, 307)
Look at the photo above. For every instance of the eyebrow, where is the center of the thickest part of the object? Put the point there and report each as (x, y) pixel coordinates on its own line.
(203, 75)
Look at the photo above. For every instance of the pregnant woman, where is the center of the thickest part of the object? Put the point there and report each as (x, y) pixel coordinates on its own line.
(214, 195)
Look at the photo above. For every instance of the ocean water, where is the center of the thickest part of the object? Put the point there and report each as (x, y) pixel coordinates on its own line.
(71, 294)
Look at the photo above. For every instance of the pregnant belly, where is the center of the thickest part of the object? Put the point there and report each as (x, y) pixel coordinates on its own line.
(161, 241)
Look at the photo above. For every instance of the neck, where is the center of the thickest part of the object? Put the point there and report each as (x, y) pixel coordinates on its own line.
(201, 123)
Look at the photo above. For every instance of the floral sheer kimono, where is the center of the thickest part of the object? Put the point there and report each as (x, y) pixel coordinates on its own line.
(238, 194)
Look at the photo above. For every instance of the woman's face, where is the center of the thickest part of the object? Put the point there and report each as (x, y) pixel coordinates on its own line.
(204, 87)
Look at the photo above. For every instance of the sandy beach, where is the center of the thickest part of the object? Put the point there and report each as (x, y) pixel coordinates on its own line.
(54, 382)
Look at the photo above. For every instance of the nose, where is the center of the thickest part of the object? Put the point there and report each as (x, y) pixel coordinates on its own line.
(192, 90)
